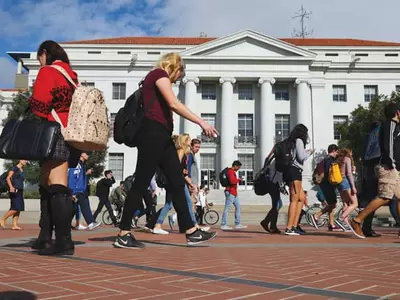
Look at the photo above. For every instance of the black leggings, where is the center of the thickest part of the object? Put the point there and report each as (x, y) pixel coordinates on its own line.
(156, 149)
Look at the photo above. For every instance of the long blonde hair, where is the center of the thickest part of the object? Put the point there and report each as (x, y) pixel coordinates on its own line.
(343, 153)
(183, 143)
(171, 63)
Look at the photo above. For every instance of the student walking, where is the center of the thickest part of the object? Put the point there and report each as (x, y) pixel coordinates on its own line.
(103, 192)
(15, 180)
(328, 191)
(77, 182)
(292, 175)
(51, 90)
(156, 149)
(387, 173)
(231, 197)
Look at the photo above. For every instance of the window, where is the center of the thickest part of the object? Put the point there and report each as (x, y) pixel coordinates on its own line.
(245, 125)
(207, 161)
(370, 92)
(339, 93)
(391, 54)
(209, 118)
(208, 91)
(94, 52)
(153, 52)
(247, 169)
(361, 54)
(88, 84)
(208, 174)
(116, 165)
(398, 88)
(282, 127)
(337, 121)
(119, 91)
(281, 92)
(112, 119)
(331, 54)
(124, 52)
(245, 91)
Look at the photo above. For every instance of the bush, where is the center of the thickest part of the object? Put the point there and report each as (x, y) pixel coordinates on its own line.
(92, 189)
(31, 194)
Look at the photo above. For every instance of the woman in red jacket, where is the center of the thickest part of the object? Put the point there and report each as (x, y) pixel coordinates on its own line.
(51, 90)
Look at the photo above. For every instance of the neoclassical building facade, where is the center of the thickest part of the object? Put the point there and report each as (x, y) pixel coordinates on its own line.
(254, 88)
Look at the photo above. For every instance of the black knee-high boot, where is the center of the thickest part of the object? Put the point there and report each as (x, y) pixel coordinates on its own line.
(61, 211)
(45, 223)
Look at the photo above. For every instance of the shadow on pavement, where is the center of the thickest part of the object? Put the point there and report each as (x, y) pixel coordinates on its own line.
(28, 244)
(17, 296)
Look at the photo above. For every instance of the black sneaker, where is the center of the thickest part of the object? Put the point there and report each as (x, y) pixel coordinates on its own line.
(299, 230)
(198, 237)
(128, 241)
(291, 232)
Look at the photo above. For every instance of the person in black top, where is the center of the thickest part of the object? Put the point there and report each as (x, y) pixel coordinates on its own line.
(388, 175)
(15, 180)
(103, 191)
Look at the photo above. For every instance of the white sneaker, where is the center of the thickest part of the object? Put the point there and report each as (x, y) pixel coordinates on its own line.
(81, 227)
(240, 226)
(226, 227)
(93, 225)
(159, 231)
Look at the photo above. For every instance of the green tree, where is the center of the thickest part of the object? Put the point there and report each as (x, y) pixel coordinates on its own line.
(32, 171)
(357, 129)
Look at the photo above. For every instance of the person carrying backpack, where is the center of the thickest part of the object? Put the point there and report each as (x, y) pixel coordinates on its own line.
(291, 159)
(156, 149)
(386, 170)
(231, 197)
(328, 190)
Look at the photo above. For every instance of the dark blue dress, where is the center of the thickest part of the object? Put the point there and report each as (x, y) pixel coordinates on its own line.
(17, 199)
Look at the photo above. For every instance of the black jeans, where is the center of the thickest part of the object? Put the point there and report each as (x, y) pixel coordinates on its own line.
(272, 216)
(83, 202)
(156, 149)
(104, 201)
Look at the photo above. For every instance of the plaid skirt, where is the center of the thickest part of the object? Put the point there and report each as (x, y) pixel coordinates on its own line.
(64, 152)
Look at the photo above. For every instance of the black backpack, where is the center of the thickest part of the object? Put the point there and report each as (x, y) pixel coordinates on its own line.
(223, 177)
(129, 118)
(128, 181)
(283, 155)
(3, 182)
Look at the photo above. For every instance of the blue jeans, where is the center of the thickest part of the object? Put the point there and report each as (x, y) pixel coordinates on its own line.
(229, 200)
(78, 211)
(393, 209)
(168, 206)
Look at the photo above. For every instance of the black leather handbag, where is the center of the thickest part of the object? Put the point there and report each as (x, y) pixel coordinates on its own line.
(29, 139)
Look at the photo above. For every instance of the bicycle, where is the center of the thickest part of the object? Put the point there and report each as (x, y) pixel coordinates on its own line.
(211, 217)
(324, 219)
(107, 219)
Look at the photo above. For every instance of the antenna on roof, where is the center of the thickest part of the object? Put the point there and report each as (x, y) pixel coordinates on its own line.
(203, 34)
(302, 14)
(159, 30)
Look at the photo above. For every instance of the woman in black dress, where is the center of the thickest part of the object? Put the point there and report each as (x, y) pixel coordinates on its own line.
(15, 181)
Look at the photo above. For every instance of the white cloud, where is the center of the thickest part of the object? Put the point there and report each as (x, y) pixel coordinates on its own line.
(376, 20)
(7, 73)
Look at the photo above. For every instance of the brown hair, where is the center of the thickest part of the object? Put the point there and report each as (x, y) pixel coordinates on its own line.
(195, 142)
(343, 153)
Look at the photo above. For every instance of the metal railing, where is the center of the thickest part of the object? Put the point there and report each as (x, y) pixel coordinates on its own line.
(208, 140)
(246, 140)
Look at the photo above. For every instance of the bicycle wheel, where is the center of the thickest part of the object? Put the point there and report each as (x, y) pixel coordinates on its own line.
(309, 214)
(106, 218)
(211, 217)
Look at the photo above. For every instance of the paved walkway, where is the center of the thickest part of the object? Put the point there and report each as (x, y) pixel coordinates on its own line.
(249, 264)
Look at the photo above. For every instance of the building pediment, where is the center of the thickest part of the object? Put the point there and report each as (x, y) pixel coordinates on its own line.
(248, 43)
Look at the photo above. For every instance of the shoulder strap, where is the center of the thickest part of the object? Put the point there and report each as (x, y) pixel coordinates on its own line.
(64, 73)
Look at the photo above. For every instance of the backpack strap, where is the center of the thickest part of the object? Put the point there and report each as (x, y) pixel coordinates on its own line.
(64, 73)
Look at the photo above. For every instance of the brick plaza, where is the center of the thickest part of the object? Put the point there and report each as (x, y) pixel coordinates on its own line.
(249, 264)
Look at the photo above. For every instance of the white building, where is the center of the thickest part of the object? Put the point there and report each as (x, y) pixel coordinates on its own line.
(253, 87)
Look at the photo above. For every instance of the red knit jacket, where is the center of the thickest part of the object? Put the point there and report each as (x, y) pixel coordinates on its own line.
(233, 182)
(51, 90)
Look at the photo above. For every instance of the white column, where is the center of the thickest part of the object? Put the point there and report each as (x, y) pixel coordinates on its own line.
(19, 67)
(303, 107)
(190, 101)
(304, 116)
(267, 117)
(227, 119)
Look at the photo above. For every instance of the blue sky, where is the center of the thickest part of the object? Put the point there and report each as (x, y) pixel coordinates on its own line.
(25, 23)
